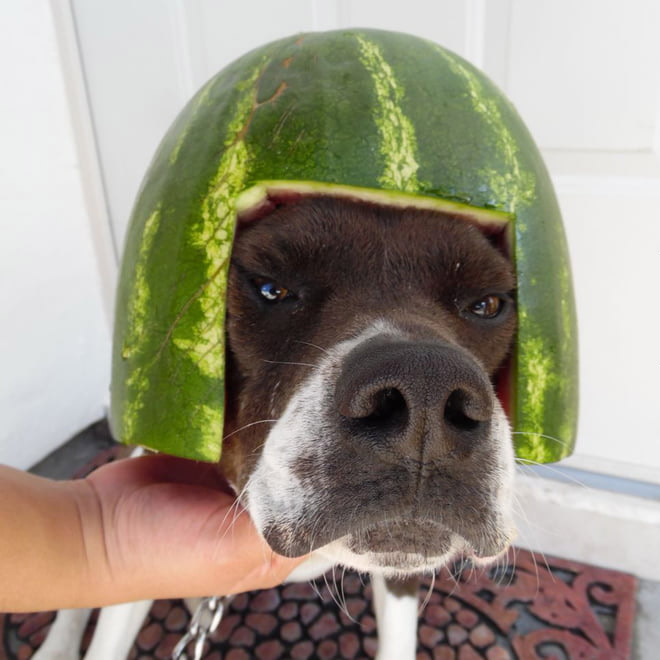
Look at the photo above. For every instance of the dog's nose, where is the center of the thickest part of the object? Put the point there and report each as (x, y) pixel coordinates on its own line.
(419, 398)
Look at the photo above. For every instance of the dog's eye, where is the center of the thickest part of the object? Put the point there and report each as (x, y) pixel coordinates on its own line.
(270, 290)
(487, 307)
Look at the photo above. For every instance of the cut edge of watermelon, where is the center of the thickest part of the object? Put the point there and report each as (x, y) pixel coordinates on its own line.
(265, 196)
(258, 199)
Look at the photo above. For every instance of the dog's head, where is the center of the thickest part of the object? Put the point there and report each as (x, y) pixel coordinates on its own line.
(362, 343)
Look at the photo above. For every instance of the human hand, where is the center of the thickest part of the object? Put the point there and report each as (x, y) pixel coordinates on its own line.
(171, 527)
(136, 529)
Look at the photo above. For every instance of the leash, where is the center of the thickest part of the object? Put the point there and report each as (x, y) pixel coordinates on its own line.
(204, 622)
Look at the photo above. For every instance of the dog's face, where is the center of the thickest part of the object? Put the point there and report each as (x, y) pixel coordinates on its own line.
(362, 420)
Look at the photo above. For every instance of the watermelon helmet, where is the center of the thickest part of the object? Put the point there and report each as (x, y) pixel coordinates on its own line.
(362, 114)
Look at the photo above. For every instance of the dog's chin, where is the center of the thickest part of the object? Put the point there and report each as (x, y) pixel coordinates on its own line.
(406, 548)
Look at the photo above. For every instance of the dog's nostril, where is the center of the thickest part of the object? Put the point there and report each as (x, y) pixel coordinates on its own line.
(386, 404)
(462, 412)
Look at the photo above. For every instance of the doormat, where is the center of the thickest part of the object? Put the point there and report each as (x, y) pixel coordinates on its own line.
(527, 607)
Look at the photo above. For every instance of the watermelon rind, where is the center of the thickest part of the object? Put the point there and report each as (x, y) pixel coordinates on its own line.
(364, 114)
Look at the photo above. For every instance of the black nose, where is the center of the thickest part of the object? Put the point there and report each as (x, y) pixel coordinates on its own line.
(419, 398)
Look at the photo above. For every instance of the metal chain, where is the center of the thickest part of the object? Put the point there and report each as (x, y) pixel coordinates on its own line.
(204, 621)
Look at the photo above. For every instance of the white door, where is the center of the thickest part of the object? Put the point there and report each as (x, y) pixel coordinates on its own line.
(583, 74)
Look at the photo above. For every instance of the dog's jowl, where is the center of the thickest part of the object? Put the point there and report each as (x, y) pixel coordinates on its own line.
(364, 343)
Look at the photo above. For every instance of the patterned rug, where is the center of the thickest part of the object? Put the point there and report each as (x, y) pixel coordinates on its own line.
(531, 607)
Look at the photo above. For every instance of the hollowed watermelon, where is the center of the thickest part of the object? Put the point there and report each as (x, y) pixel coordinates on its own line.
(363, 114)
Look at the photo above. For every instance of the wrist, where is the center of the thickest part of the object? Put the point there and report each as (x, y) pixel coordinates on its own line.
(94, 579)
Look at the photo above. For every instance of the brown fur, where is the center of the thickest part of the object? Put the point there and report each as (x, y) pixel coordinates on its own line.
(347, 263)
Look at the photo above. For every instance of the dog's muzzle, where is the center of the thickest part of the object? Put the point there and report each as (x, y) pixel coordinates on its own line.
(395, 454)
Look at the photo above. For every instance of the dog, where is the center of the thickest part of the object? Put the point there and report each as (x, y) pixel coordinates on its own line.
(374, 336)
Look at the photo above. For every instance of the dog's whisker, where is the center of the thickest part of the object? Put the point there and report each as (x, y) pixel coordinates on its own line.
(342, 606)
(518, 507)
(314, 523)
(258, 448)
(536, 566)
(241, 495)
(327, 586)
(508, 568)
(315, 589)
(450, 573)
(343, 595)
(526, 462)
(454, 586)
(273, 396)
(476, 571)
(429, 593)
(473, 570)
(299, 364)
(502, 574)
(230, 528)
(526, 543)
(309, 343)
(232, 509)
(332, 595)
(514, 566)
(236, 510)
(537, 574)
(547, 565)
(246, 426)
(541, 435)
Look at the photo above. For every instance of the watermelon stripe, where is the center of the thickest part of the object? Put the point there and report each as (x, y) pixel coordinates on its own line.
(516, 185)
(136, 340)
(568, 348)
(199, 100)
(540, 375)
(202, 339)
(568, 343)
(137, 308)
(214, 233)
(398, 139)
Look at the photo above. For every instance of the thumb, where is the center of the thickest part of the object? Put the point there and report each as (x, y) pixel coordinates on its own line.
(170, 540)
(240, 559)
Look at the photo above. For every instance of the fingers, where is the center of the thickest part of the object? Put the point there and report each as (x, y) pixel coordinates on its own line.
(281, 567)
(241, 552)
(269, 572)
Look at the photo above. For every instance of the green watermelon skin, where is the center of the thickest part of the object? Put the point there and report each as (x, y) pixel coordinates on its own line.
(365, 108)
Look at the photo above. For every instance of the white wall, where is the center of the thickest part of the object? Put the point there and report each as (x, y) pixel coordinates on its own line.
(54, 333)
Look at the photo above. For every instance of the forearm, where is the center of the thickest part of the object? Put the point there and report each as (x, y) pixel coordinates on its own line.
(59, 547)
(62, 547)
(44, 560)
